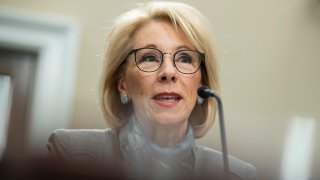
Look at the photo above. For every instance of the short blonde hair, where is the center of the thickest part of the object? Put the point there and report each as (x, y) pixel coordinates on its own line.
(119, 44)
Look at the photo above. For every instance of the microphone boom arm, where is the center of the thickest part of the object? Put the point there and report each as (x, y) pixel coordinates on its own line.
(223, 134)
(205, 92)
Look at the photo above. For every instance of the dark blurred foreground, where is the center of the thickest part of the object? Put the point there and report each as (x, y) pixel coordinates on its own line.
(53, 169)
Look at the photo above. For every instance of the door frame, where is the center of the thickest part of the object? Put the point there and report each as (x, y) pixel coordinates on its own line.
(56, 41)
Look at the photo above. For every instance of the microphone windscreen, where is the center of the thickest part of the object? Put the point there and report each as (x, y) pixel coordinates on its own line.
(202, 91)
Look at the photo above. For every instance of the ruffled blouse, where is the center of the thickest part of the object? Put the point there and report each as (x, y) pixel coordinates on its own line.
(146, 159)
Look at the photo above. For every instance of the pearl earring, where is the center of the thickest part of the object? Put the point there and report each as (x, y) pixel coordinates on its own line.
(124, 98)
(200, 100)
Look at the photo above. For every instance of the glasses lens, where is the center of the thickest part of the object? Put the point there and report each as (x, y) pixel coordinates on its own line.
(148, 59)
(187, 61)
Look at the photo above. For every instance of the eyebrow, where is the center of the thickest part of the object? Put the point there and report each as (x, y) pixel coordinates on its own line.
(177, 49)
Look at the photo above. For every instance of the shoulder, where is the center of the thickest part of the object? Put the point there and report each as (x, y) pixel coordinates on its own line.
(211, 161)
(90, 143)
(79, 135)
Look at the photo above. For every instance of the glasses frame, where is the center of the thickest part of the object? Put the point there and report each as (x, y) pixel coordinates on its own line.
(200, 54)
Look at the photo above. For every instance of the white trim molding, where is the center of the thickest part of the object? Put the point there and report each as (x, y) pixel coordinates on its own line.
(298, 149)
(56, 41)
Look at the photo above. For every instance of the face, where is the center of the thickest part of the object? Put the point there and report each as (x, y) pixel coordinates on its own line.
(165, 97)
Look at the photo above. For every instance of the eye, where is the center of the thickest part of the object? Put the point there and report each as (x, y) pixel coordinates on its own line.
(149, 58)
(184, 58)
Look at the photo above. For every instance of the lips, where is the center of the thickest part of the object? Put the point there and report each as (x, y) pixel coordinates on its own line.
(167, 99)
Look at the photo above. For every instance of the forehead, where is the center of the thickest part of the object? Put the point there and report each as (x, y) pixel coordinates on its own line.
(160, 34)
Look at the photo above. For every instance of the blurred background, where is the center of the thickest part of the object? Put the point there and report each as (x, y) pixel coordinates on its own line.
(269, 53)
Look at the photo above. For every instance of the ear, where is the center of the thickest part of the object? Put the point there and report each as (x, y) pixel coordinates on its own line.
(122, 86)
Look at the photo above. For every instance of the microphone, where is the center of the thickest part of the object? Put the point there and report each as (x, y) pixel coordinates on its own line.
(206, 92)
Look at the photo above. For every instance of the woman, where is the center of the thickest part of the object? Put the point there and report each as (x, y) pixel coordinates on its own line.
(157, 56)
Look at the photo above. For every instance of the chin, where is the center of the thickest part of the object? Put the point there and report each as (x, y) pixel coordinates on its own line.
(169, 120)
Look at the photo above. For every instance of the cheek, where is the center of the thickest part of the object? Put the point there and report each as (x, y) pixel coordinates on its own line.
(194, 83)
(138, 83)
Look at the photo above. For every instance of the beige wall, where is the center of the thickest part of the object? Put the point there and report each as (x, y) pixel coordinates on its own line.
(269, 56)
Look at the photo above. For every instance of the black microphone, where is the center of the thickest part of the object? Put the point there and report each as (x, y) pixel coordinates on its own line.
(206, 92)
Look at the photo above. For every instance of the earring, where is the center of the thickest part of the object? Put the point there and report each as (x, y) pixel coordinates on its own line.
(200, 100)
(124, 98)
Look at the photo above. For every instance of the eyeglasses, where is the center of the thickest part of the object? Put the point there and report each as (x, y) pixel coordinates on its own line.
(150, 59)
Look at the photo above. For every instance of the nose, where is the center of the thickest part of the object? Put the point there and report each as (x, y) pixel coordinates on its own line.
(167, 71)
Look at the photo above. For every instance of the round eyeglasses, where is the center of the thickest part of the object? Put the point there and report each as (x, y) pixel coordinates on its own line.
(150, 59)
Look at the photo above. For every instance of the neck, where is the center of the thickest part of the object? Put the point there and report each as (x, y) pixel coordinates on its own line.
(165, 135)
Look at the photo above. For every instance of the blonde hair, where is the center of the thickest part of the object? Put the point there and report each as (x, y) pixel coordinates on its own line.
(179, 15)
